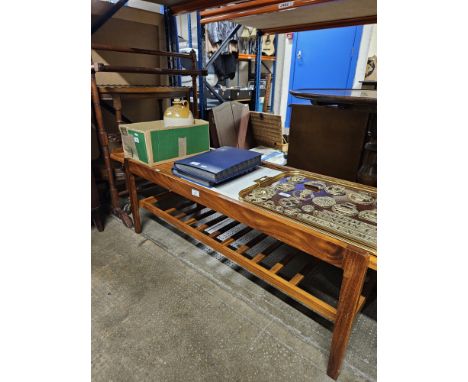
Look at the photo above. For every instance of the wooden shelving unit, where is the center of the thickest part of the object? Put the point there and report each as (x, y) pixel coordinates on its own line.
(115, 93)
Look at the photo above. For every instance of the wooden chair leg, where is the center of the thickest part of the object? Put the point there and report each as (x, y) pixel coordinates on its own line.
(95, 205)
(104, 143)
(96, 216)
(355, 266)
(132, 192)
(117, 103)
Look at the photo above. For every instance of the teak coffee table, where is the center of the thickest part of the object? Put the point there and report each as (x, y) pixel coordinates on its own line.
(196, 209)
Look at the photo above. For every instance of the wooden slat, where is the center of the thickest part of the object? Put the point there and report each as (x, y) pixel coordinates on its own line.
(192, 212)
(190, 221)
(245, 247)
(258, 257)
(125, 49)
(362, 301)
(278, 266)
(299, 276)
(226, 242)
(149, 200)
(312, 302)
(99, 67)
(125, 89)
(179, 209)
(157, 198)
(181, 215)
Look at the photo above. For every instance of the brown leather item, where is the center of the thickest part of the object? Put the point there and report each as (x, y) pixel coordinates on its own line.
(327, 140)
(225, 124)
(243, 126)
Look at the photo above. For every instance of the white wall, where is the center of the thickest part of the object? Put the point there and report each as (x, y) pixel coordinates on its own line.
(373, 42)
(182, 27)
(367, 49)
(284, 53)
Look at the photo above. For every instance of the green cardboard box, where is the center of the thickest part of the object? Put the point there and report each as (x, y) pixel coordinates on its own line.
(152, 143)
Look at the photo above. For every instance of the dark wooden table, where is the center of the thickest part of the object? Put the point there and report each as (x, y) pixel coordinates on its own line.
(192, 216)
(362, 98)
(336, 100)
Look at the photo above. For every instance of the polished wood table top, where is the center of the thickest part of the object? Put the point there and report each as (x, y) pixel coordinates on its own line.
(358, 97)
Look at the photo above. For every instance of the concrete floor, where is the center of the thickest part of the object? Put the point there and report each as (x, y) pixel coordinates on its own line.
(165, 308)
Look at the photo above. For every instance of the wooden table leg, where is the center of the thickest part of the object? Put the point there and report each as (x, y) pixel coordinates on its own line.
(355, 264)
(132, 192)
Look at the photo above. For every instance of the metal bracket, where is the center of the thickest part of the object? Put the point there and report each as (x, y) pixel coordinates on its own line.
(214, 92)
(223, 45)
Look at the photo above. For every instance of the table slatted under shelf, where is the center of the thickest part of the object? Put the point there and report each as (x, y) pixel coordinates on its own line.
(250, 249)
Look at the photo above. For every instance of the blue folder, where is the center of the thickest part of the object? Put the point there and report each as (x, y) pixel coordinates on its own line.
(218, 165)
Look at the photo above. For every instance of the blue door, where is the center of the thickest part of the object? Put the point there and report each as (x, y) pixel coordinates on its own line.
(323, 59)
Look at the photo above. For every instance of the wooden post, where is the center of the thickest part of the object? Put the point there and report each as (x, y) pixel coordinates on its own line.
(117, 103)
(355, 264)
(132, 192)
(104, 141)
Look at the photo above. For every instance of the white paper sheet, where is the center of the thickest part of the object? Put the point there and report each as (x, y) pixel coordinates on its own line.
(233, 187)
